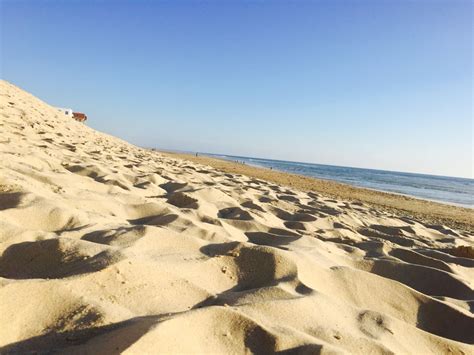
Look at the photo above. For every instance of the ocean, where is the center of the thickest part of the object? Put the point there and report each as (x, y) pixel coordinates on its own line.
(450, 190)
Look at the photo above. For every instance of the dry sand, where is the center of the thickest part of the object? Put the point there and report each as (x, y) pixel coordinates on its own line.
(107, 248)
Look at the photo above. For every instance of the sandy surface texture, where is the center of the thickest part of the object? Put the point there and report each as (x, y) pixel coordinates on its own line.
(430, 211)
(108, 248)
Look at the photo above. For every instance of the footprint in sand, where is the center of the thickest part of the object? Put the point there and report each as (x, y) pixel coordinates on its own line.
(54, 258)
(235, 213)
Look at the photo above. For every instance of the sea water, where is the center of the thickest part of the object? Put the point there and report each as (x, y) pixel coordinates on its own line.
(451, 190)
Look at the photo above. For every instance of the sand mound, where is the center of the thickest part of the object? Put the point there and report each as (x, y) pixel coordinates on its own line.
(106, 248)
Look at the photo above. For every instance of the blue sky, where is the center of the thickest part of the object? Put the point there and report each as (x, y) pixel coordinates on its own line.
(377, 84)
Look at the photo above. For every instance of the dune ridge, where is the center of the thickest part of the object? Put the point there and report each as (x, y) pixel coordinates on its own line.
(106, 248)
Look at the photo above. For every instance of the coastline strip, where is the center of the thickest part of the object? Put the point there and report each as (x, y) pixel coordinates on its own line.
(429, 211)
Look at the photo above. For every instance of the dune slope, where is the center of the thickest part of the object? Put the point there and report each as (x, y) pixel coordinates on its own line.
(106, 247)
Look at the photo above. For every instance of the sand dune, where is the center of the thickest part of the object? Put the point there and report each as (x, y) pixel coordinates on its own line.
(106, 247)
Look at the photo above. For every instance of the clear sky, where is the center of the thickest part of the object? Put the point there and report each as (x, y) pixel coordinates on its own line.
(377, 84)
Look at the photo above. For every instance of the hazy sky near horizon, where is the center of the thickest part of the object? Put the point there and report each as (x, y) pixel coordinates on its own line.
(375, 84)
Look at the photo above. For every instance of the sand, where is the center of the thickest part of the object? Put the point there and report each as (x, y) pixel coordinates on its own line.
(106, 248)
(430, 211)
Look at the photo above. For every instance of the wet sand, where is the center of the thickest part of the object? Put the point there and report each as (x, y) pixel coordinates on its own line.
(434, 212)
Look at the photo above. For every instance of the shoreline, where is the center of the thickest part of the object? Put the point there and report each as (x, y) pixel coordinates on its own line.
(449, 204)
(430, 211)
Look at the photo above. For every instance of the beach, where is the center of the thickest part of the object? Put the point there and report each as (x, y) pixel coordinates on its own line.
(456, 216)
(106, 247)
